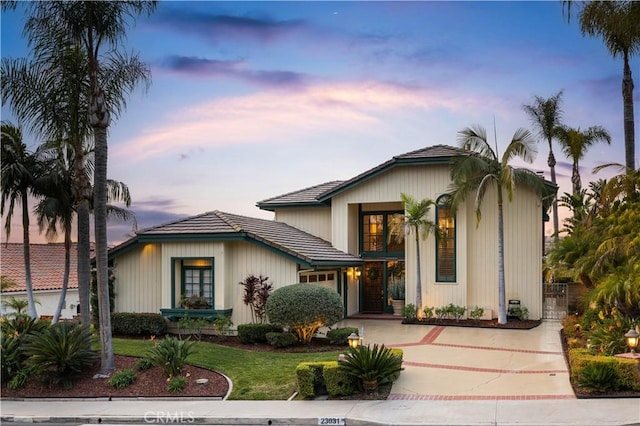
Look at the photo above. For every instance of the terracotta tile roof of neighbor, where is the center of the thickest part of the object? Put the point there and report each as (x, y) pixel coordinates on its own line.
(47, 266)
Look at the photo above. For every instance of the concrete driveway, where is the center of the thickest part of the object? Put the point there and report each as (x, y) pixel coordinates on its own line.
(460, 363)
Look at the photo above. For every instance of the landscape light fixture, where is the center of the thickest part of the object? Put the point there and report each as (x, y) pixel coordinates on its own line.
(354, 340)
(632, 337)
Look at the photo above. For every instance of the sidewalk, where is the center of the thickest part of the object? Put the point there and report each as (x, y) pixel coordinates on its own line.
(576, 412)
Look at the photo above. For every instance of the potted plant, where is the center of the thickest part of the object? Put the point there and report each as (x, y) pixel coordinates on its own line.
(397, 297)
(194, 302)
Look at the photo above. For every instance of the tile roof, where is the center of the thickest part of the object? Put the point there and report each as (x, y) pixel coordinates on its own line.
(306, 196)
(47, 266)
(284, 238)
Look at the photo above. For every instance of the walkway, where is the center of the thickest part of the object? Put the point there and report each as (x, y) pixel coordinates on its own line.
(459, 363)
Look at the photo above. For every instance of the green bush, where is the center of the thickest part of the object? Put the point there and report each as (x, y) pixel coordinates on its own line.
(337, 382)
(586, 371)
(303, 308)
(256, 333)
(222, 326)
(171, 354)
(138, 324)
(428, 312)
(476, 313)
(281, 340)
(122, 378)
(177, 384)
(598, 377)
(11, 355)
(410, 311)
(192, 327)
(339, 336)
(378, 363)
(61, 353)
(317, 377)
(606, 335)
(144, 364)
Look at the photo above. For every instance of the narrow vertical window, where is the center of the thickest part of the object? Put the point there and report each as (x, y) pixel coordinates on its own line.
(446, 241)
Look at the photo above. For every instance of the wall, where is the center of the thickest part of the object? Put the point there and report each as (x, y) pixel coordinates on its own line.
(48, 302)
(138, 284)
(314, 220)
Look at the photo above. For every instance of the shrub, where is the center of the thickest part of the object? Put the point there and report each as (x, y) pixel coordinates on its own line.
(410, 311)
(256, 333)
(606, 335)
(122, 378)
(171, 354)
(138, 324)
(303, 308)
(21, 378)
(339, 336)
(456, 312)
(281, 340)
(22, 325)
(11, 355)
(61, 353)
(176, 384)
(476, 313)
(377, 363)
(222, 326)
(256, 293)
(441, 312)
(191, 326)
(337, 382)
(314, 378)
(598, 377)
(144, 364)
(428, 312)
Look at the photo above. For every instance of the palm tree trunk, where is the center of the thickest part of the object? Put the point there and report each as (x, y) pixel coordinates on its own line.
(575, 178)
(502, 311)
(419, 277)
(552, 167)
(629, 126)
(65, 279)
(26, 247)
(84, 261)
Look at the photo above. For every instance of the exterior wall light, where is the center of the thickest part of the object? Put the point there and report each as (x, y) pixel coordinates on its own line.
(632, 337)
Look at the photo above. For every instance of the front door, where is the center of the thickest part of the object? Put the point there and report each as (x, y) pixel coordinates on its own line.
(373, 283)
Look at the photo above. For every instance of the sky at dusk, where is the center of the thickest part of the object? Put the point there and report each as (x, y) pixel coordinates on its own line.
(250, 100)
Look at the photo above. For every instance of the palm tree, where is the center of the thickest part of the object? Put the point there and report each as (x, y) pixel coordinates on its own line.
(616, 22)
(19, 171)
(484, 169)
(575, 144)
(414, 221)
(545, 115)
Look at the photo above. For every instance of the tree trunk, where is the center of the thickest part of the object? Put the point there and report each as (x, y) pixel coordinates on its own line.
(65, 279)
(552, 167)
(575, 178)
(26, 247)
(99, 119)
(502, 311)
(629, 126)
(82, 194)
(418, 278)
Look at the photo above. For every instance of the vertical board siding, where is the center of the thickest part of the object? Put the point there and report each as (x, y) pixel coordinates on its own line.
(314, 220)
(138, 284)
(243, 259)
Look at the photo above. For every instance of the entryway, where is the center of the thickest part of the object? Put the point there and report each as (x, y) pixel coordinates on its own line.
(373, 300)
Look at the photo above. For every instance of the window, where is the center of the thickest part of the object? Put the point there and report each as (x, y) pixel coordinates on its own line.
(375, 234)
(446, 242)
(197, 278)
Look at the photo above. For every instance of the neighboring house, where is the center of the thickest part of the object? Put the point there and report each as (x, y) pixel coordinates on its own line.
(337, 234)
(47, 271)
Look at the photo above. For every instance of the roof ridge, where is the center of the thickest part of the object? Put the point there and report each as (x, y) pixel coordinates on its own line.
(225, 219)
(266, 200)
(171, 222)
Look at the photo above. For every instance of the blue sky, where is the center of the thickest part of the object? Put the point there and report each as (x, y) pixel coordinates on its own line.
(254, 99)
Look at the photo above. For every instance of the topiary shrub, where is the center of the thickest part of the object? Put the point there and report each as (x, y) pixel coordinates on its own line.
(256, 333)
(303, 308)
(138, 324)
(339, 336)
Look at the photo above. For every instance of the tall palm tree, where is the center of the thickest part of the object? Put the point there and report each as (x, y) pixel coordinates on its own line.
(484, 169)
(545, 115)
(616, 22)
(414, 221)
(575, 144)
(94, 25)
(19, 171)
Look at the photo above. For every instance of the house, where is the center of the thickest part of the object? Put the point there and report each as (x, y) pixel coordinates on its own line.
(47, 271)
(337, 234)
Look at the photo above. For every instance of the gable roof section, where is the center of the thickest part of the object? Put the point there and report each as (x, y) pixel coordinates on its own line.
(302, 198)
(284, 239)
(47, 266)
(437, 154)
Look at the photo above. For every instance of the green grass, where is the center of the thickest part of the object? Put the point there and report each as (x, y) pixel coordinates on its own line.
(255, 375)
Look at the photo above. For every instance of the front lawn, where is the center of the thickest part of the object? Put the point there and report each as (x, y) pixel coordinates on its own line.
(255, 375)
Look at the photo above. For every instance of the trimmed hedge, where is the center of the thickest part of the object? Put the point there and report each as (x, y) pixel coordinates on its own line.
(256, 333)
(338, 336)
(313, 375)
(281, 340)
(626, 377)
(138, 324)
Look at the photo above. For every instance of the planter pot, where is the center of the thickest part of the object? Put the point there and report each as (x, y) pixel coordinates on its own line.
(370, 385)
(398, 306)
